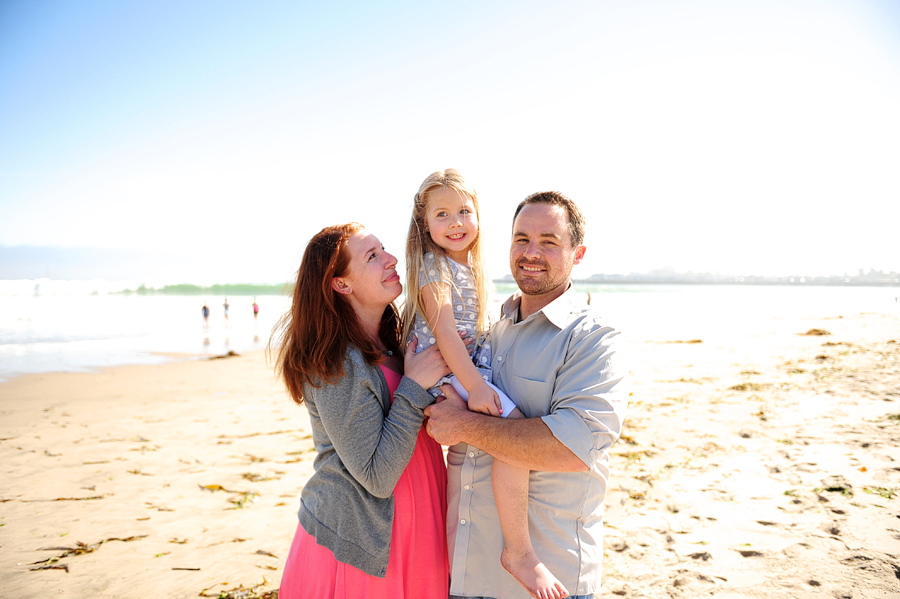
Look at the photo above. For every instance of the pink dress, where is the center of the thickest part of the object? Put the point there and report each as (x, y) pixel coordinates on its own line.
(418, 568)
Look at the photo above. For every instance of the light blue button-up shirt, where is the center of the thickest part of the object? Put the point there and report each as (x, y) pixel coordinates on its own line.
(565, 366)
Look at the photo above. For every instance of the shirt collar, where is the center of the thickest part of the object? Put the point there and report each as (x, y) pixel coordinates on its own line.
(557, 311)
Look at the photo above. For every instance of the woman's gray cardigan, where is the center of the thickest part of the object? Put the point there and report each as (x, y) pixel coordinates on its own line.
(364, 444)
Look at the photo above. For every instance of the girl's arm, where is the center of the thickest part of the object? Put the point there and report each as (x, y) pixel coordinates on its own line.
(439, 314)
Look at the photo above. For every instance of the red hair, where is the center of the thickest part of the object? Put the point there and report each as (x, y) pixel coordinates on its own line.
(313, 336)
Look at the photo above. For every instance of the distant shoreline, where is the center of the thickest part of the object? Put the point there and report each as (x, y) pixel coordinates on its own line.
(769, 281)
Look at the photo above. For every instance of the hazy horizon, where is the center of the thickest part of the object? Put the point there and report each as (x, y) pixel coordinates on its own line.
(91, 263)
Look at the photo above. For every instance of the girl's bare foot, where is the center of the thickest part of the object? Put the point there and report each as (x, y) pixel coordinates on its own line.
(533, 575)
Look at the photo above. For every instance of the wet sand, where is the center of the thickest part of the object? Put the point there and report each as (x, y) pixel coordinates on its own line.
(756, 462)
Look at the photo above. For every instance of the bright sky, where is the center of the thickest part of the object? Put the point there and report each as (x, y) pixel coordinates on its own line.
(741, 137)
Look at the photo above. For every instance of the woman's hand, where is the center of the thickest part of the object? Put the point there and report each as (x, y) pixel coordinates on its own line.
(426, 367)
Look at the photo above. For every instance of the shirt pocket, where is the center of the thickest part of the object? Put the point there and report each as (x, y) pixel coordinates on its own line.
(532, 397)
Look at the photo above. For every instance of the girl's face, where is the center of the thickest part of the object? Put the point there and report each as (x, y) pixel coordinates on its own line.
(452, 222)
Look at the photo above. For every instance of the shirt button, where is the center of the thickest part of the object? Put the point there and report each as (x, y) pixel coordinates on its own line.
(466, 487)
(463, 521)
(471, 454)
(499, 358)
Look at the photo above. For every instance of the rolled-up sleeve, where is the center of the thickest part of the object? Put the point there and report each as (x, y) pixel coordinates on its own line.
(591, 393)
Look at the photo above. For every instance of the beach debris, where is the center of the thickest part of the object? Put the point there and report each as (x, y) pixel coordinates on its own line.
(636, 456)
(162, 554)
(704, 555)
(835, 484)
(137, 471)
(750, 372)
(680, 341)
(230, 354)
(79, 549)
(214, 488)
(244, 500)
(66, 499)
(242, 592)
(189, 569)
(816, 332)
(178, 541)
(750, 552)
(261, 552)
(282, 432)
(243, 497)
(255, 477)
(52, 567)
(699, 381)
(235, 540)
(881, 491)
(704, 450)
(144, 448)
(750, 387)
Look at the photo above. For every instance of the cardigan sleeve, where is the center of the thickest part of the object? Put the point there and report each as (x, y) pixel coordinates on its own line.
(374, 448)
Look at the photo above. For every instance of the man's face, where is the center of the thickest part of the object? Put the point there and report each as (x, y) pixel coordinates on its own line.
(542, 255)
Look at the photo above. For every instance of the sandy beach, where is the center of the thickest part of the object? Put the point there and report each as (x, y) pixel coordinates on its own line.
(756, 461)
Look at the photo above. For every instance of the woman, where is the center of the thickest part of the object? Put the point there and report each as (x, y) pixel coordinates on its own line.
(372, 517)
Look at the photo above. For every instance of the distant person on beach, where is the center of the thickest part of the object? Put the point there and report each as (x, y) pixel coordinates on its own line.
(255, 309)
(226, 305)
(205, 311)
(372, 516)
(561, 363)
(448, 289)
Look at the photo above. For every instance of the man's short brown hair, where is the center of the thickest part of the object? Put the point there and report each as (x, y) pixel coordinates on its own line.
(554, 198)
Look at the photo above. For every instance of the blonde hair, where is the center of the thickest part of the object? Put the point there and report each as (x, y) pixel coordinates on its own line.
(419, 243)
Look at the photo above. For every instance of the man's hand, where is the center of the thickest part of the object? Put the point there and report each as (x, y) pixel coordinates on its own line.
(446, 416)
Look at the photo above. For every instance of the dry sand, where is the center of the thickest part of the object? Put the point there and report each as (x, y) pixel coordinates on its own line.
(755, 463)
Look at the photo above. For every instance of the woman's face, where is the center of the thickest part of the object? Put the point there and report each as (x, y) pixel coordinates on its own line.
(371, 277)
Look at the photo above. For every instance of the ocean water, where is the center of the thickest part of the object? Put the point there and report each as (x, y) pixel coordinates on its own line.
(76, 326)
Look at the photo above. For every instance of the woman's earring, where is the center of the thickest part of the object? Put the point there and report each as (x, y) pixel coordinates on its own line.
(340, 286)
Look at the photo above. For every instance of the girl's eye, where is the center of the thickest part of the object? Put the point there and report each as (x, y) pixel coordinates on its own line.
(441, 213)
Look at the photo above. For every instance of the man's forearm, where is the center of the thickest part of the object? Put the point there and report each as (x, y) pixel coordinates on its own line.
(526, 442)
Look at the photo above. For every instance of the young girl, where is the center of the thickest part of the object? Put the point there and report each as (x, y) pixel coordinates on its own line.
(444, 262)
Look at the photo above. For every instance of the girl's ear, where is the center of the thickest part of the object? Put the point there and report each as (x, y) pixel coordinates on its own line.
(340, 286)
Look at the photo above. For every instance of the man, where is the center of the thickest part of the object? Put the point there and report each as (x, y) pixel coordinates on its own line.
(556, 359)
